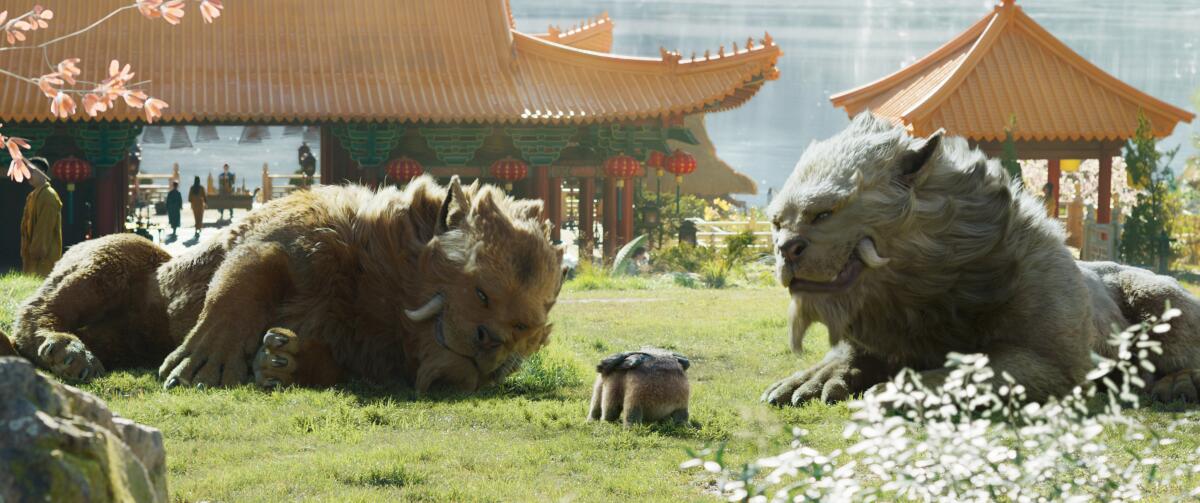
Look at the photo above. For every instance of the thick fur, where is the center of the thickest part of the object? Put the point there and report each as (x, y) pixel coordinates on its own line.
(969, 264)
(6, 348)
(643, 386)
(335, 265)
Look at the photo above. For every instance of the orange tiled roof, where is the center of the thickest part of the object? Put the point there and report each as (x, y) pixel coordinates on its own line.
(379, 60)
(594, 34)
(1006, 64)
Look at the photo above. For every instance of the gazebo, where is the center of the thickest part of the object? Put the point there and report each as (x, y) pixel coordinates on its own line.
(1007, 66)
(450, 84)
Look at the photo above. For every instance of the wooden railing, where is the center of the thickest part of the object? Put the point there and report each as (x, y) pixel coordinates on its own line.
(271, 190)
(715, 233)
(141, 192)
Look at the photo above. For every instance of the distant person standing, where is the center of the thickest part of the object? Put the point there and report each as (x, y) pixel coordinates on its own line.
(41, 222)
(174, 207)
(308, 164)
(225, 187)
(198, 199)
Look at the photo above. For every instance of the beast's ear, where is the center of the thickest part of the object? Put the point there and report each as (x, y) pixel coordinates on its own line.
(454, 207)
(912, 161)
(487, 216)
(611, 363)
(683, 361)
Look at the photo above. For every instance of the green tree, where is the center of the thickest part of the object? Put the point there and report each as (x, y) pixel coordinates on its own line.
(1008, 157)
(1145, 239)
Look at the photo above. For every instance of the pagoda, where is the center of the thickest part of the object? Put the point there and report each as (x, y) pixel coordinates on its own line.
(450, 84)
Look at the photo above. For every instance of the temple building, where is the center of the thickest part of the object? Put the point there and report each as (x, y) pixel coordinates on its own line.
(446, 87)
(1006, 67)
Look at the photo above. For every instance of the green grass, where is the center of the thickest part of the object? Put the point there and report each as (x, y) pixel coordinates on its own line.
(527, 440)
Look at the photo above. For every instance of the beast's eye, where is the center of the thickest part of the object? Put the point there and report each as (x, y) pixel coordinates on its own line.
(520, 327)
(482, 297)
(822, 216)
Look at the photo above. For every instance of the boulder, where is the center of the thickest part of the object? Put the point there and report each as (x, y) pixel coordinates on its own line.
(58, 443)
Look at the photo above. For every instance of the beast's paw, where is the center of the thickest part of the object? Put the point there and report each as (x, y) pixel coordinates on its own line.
(1180, 386)
(287, 358)
(275, 362)
(68, 358)
(204, 366)
(827, 380)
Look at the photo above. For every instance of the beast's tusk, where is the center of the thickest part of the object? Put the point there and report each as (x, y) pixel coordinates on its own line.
(869, 255)
(427, 311)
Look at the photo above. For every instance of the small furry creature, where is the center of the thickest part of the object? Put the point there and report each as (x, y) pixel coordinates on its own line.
(909, 248)
(641, 386)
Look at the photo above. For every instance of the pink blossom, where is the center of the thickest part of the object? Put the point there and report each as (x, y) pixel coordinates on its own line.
(47, 82)
(62, 106)
(210, 9)
(154, 108)
(135, 99)
(68, 70)
(172, 11)
(94, 104)
(149, 8)
(18, 171)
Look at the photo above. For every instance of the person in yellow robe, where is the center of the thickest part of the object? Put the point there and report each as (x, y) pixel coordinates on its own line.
(41, 222)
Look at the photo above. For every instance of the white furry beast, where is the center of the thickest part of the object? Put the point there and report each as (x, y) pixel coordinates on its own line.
(910, 248)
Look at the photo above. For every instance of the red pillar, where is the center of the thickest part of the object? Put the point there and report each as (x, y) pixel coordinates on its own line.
(610, 217)
(627, 213)
(111, 193)
(587, 210)
(541, 183)
(555, 207)
(1104, 191)
(1054, 176)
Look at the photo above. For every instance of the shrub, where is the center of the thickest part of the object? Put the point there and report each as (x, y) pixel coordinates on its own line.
(589, 276)
(976, 438)
(1145, 236)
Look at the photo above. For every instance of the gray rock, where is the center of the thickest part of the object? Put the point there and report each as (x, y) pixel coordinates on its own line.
(58, 443)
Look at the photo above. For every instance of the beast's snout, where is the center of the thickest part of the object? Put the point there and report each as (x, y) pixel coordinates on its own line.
(792, 249)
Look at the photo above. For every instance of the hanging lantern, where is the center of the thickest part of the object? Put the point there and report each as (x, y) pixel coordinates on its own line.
(71, 170)
(657, 160)
(680, 163)
(1069, 165)
(621, 167)
(404, 169)
(509, 170)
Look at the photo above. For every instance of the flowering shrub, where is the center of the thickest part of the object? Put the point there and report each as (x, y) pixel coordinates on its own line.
(975, 438)
(1088, 179)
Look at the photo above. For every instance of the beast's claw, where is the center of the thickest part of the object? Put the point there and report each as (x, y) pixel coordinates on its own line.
(275, 339)
(271, 382)
(171, 383)
(278, 361)
(66, 357)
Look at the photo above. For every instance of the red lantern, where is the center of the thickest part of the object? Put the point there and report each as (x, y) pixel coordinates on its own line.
(71, 170)
(657, 160)
(680, 163)
(404, 169)
(509, 170)
(621, 166)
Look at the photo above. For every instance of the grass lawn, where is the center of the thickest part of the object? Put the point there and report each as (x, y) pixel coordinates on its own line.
(526, 441)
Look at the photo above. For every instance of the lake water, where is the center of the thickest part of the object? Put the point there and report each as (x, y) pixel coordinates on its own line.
(830, 46)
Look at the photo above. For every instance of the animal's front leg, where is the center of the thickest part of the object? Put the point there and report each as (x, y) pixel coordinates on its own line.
(287, 358)
(243, 294)
(845, 371)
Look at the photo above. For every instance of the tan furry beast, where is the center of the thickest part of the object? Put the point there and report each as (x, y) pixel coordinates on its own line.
(910, 248)
(434, 285)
